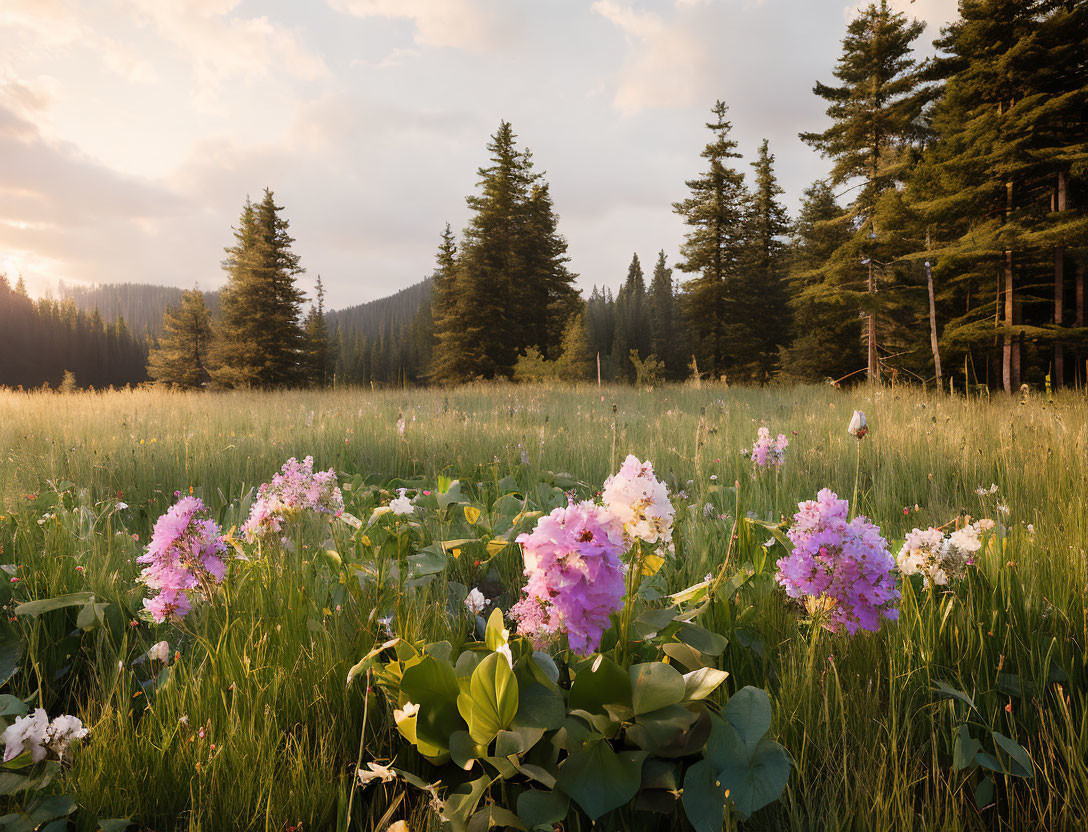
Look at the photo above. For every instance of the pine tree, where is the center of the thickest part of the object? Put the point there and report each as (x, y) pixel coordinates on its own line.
(319, 359)
(260, 340)
(181, 357)
(448, 357)
(876, 113)
(663, 334)
(719, 313)
(632, 330)
(576, 360)
(826, 340)
(768, 224)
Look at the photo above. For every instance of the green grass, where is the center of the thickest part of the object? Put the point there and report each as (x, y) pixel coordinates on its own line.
(871, 740)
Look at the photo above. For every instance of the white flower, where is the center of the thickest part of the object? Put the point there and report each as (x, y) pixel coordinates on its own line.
(159, 651)
(122, 506)
(376, 772)
(966, 539)
(504, 650)
(386, 622)
(1004, 509)
(63, 731)
(858, 425)
(409, 710)
(26, 731)
(641, 502)
(475, 601)
(402, 505)
(1031, 528)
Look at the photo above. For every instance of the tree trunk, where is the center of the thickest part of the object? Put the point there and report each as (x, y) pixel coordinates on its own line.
(1007, 347)
(1058, 377)
(933, 325)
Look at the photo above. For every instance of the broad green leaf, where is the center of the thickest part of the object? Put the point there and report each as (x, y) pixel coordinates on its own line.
(540, 707)
(432, 685)
(1022, 764)
(984, 792)
(699, 684)
(11, 656)
(704, 798)
(654, 685)
(461, 803)
(600, 780)
(491, 702)
(964, 749)
(449, 496)
(950, 692)
(544, 668)
(754, 774)
(367, 660)
(749, 712)
(540, 810)
(12, 706)
(661, 732)
(463, 751)
(496, 634)
(425, 563)
(114, 825)
(493, 816)
(602, 683)
(702, 639)
(32, 608)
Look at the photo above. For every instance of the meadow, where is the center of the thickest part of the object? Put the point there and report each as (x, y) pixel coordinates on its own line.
(968, 712)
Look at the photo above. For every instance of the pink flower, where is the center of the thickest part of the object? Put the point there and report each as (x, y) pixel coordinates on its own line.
(767, 452)
(843, 566)
(575, 577)
(295, 488)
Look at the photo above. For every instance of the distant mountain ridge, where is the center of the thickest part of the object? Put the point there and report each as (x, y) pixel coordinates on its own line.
(142, 306)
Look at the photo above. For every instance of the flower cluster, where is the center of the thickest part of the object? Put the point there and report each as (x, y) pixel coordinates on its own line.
(40, 736)
(640, 502)
(295, 488)
(767, 452)
(841, 565)
(184, 554)
(939, 559)
(572, 561)
(401, 505)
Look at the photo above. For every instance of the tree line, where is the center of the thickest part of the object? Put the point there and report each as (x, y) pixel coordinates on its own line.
(948, 243)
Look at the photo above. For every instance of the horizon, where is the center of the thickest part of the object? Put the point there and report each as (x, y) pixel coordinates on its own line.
(369, 119)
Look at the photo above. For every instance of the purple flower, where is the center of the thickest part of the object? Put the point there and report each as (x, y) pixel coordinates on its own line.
(575, 577)
(295, 488)
(841, 566)
(767, 452)
(184, 554)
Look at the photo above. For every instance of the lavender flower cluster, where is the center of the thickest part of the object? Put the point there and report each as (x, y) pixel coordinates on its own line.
(767, 452)
(184, 555)
(840, 565)
(296, 488)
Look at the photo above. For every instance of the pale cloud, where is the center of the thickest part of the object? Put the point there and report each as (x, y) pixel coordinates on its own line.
(669, 62)
(478, 26)
(934, 13)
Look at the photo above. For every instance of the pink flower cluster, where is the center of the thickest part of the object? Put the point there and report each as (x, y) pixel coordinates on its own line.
(576, 579)
(767, 452)
(184, 554)
(295, 488)
(841, 565)
(641, 503)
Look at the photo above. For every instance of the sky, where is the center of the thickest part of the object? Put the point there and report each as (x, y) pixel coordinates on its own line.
(131, 131)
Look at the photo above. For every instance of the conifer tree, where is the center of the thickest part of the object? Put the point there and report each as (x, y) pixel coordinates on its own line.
(768, 224)
(875, 111)
(719, 312)
(319, 366)
(181, 357)
(663, 335)
(576, 360)
(260, 340)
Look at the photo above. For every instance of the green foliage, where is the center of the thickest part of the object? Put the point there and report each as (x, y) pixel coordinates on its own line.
(181, 356)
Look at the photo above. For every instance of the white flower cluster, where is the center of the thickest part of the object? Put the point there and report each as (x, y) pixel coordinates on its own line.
(641, 502)
(40, 736)
(940, 559)
(402, 504)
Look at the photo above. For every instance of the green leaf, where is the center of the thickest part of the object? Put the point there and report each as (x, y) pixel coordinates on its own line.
(540, 707)
(543, 668)
(650, 622)
(541, 810)
(463, 751)
(461, 803)
(450, 495)
(602, 683)
(662, 731)
(702, 639)
(749, 712)
(600, 780)
(964, 749)
(432, 685)
(654, 685)
(494, 816)
(367, 660)
(704, 798)
(754, 775)
(12, 706)
(114, 825)
(949, 692)
(425, 563)
(32, 608)
(699, 684)
(493, 633)
(491, 702)
(1022, 764)
(984, 792)
(11, 657)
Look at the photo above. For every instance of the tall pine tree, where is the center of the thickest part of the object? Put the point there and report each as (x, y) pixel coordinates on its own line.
(181, 357)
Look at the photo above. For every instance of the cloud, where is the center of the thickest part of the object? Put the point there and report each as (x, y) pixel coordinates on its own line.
(478, 26)
(668, 62)
(934, 13)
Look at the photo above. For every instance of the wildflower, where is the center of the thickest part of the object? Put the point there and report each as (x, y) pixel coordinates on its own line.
(387, 625)
(641, 503)
(184, 554)
(40, 736)
(475, 601)
(1001, 507)
(160, 651)
(843, 567)
(575, 577)
(928, 552)
(504, 651)
(121, 506)
(858, 426)
(767, 453)
(983, 491)
(376, 772)
(1031, 528)
(295, 488)
(402, 505)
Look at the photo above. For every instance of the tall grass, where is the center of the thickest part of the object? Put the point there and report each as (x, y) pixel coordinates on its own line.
(871, 740)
